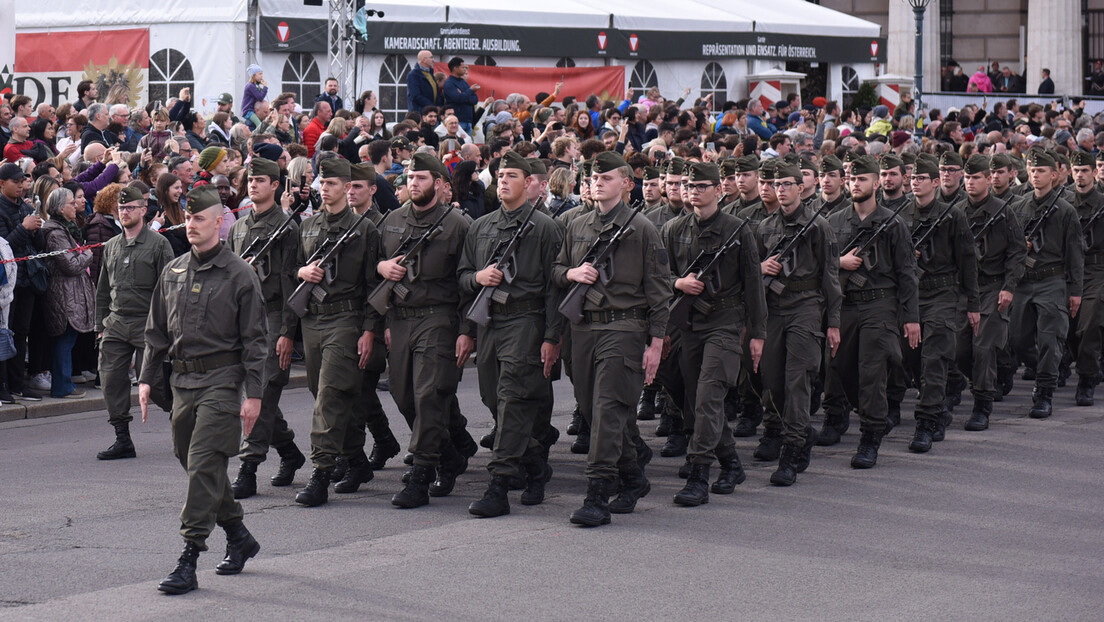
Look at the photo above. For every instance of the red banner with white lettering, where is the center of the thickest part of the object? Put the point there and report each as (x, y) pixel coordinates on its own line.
(581, 82)
(49, 65)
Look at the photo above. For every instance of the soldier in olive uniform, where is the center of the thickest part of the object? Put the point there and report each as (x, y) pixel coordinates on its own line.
(730, 191)
(579, 427)
(1052, 281)
(947, 268)
(747, 185)
(799, 302)
(429, 344)
(672, 187)
(950, 178)
(128, 273)
(208, 316)
(810, 197)
(832, 190)
(875, 305)
(652, 189)
(536, 186)
(277, 274)
(338, 334)
(837, 410)
(619, 342)
(520, 345)
(1088, 335)
(1002, 177)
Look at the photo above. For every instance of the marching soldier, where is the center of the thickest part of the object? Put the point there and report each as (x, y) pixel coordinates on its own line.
(809, 196)
(802, 299)
(837, 411)
(207, 315)
(128, 273)
(1089, 203)
(277, 274)
(950, 178)
(536, 185)
(652, 189)
(747, 185)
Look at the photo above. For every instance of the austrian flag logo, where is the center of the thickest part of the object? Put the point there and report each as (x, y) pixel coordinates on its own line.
(283, 32)
(634, 42)
(874, 48)
(602, 41)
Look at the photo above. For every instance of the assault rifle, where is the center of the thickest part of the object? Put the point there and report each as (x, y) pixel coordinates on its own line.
(707, 266)
(922, 237)
(257, 252)
(326, 255)
(600, 255)
(991, 222)
(1034, 229)
(863, 247)
(408, 249)
(1087, 234)
(503, 259)
(786, 249)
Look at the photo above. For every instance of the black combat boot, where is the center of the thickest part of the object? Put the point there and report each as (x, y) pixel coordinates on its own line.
(664, 427)
(359, 472)
(489, 438)
(1028, 373)
(677, 441)
(123, 446)
(634, 486)
(770, 446)
(922, 438)
(581, 445)
(452, 464)
(595, 510)
(684, 470)
(696, 490)
(240, 547)
(291, 460)
(1086, 386)
(183, 579)
(939, 431)
(245, 484)
(384, 447)
(867, 454)
(733, 406)
(786, 475)
(893, 415)
(341, 467)
(1040, 408)
(316, 491)
(576, 422)
(835, 426)
(1006, 379)
(804, 455)
(494, 501)
(645, 406)
(731, 475)
(416, 492)
(643, 452)
(749, 421)
(537, 473)
(979, 419)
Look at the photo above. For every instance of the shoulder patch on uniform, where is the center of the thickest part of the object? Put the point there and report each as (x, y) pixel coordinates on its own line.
(661, 255)
(179, 270)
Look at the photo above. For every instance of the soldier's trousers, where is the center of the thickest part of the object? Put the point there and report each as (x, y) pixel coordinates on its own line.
(1040, 321)
(124, 339)
(513, 387)
(670, 379)
(271, 429)
(333, 376)
(978, 355)
(791, 360)
(206, 429)
(608, 373)
(868, 347)
(368, 410)
(710, 362)
(939, 317)
(423, 379)
(1090, 324)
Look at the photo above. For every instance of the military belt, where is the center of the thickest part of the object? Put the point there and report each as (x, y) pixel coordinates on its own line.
(605, 317)
(272, 306)
(802, 286)
(938, 282)
(1093, 259)
(1045, 273)
(517, 308)
(206, 363)
(411, 313)
(728, 302)
(984, 280)
(867, 295)
(336, 307)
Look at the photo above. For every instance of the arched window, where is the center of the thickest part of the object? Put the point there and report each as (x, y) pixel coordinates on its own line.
(713, 81)
(392, 87)
(302, 78)
(643, 76)
(566, 61)
(486, 61)
(169, 71)
(850, 79)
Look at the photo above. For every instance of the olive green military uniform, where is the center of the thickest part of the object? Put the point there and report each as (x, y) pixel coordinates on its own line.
(511, 375)
(207, 315)
(277, 275)
(1089, 336)
(128, 275)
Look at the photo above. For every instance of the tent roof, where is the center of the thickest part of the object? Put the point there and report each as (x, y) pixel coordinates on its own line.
(685, 15)
(393, 11)
(560, 14)
(83, 14)
(798, 17)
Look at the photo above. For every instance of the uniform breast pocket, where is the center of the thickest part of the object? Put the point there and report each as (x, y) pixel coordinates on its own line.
(629, 262)
(145, 275)
(173, 286)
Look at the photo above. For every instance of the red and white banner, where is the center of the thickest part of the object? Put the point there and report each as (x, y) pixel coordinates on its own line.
(580, 82)
(49, 65)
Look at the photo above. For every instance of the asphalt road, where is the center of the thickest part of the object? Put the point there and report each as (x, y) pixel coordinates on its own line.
(999, 525)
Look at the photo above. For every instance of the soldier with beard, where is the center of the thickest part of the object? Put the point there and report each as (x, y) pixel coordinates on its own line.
(1088, 332)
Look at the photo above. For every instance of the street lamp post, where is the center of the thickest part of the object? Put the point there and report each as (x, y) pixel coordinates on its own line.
(918, 8)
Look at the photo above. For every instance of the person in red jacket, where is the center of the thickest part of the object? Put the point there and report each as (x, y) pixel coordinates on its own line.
(320, 120)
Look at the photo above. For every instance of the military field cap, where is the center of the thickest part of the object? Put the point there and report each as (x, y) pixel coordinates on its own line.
(427, 162)
(586, 168)
(651, 172)
(792, 158)
(130, 194)
(536, 166)
(850, 156)
(747, 164)
(1081, 158)
(766, 169)
(926, 164)
(676, 166)
(1038, 157)
(264, 166)
(830, 163)
(203, 197)
(1000, 160)
(728, 168)
(807, 165)
(950, 158)
(607, 162)
(514, 160)
(787, 170)
(977, 163)
(909, 158)
(1061, 158)
(703, 171)
(334, 167)
(400, 142)
(864, 165)
(892, 160)
(362, 172)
